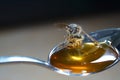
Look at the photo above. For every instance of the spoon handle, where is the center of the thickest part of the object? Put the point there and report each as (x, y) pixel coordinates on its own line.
(23, 59)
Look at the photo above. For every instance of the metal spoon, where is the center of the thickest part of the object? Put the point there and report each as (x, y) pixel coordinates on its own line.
(112, 34)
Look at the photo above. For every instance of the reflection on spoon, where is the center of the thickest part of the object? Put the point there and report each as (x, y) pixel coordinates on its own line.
(79, 54)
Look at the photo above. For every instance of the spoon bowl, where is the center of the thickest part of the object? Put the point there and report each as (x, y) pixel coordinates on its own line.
(107, 60)
(69, 62)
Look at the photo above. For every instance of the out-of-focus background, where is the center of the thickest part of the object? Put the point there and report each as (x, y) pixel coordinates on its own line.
(28, 28)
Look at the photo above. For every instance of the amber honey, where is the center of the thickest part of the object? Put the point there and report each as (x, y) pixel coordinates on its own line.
(86, 58)
(79, 56)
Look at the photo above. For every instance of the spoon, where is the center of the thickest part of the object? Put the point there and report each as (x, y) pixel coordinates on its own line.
(107, 41)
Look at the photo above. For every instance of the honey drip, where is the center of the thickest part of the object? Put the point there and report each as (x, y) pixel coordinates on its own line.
(83, 57)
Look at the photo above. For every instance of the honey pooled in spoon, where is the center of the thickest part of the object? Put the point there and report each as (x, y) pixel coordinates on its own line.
(78, 56)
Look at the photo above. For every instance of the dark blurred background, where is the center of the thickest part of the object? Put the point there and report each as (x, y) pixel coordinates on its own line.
(18, 12)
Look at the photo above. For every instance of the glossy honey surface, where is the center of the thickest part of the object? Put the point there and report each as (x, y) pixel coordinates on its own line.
(87, 58)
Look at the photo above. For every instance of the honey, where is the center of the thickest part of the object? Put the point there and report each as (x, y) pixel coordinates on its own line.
(89, 58)
(78, 56)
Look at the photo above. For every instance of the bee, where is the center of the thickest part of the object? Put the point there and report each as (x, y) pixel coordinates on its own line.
(75, 31)
(72, 29)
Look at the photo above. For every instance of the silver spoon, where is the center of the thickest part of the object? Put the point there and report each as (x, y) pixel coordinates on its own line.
(110, 36)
